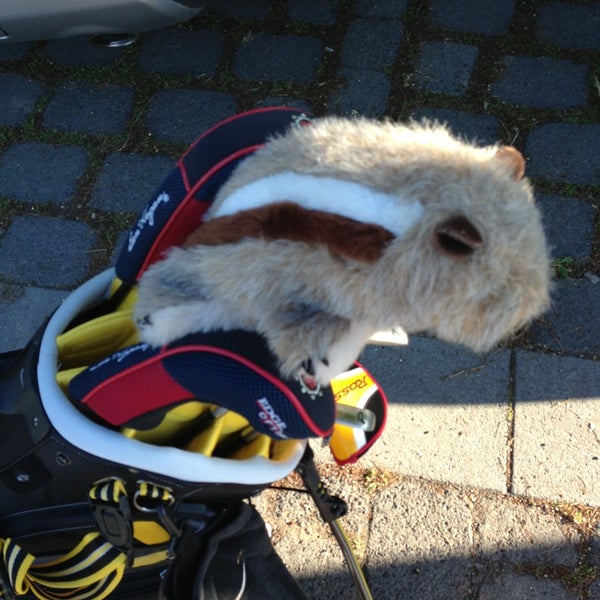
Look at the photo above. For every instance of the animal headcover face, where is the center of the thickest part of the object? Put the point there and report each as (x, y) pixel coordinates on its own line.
(336, 230)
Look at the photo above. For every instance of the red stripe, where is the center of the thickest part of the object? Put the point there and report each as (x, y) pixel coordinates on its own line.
(137, 390)
(153, 387)
(160, 243)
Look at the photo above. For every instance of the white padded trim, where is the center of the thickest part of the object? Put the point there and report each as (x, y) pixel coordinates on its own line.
(345, 198)
(111, 445)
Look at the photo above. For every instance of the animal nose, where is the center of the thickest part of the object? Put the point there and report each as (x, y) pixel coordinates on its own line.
(458, 237)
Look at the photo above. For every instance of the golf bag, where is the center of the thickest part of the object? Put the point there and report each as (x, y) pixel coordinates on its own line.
(124, 468)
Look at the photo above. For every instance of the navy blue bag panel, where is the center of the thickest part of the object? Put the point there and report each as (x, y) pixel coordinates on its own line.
(177, 207)
(233, 369)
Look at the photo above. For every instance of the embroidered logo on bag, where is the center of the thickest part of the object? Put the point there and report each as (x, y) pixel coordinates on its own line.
(271, 419)
(120, 355)
(147, 218)
(308, 383)
(356, 384)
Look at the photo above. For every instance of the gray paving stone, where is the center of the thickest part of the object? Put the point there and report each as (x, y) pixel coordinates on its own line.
(36, 172)
(565, 153)
(363, 93)
(446, 67)
(448, 412)
(14, 52)
(315, 12)
(569, 24)
(266, 57)
(556, 452)
(390, 9)
(27, 306)
(249, 9)
(569, 226)
(46, 251)
(127, 181)
(81, 51)
(516, 586)
(480, 129)
(182, 115)
(433, 528)
(541, 82)
(18, 97)
(89, 108)
(382, 37)
(306, 544)
(511, 531)
(573, 322)
(483, 17)
(181, 51)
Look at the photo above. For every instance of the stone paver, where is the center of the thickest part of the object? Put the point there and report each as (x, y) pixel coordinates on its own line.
(556, 451)
(448, 410)
(28, 306)
(364, 92)
(182, 52)
(564, 329)
(433, 532)
(540, 82)
(514, 586)
(128, 180)
(382, 37)
(46, 251)
(569, 24)
(513, 532)
(486, 17)
(267, 57)
(196, 111)
(36, 172)
(18, 97)
(564, 152)
(446, 67)
(315, 12)
(569, 225)
(89, 108)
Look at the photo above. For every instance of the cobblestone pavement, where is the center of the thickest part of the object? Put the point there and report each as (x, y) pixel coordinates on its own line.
(485, 484)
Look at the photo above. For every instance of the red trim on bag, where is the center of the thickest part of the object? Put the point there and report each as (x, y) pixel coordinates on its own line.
(114, 404)
(189, 210)
(353, 458)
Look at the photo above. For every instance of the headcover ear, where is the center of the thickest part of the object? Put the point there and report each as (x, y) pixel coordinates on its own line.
(232, 369)
(513, 160)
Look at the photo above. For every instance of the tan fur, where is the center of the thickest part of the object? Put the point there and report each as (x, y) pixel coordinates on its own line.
(303, 296)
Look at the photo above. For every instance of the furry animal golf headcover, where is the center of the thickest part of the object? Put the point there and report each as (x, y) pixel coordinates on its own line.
(337, 230)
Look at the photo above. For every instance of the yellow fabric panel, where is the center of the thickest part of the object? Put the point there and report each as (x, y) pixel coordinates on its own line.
(206, 441)
(90, 342)
(150, 559)
(98, 338)
(150, 533)
(259, 446)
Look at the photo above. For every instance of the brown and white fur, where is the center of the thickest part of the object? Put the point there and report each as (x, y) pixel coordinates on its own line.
(346, 227)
